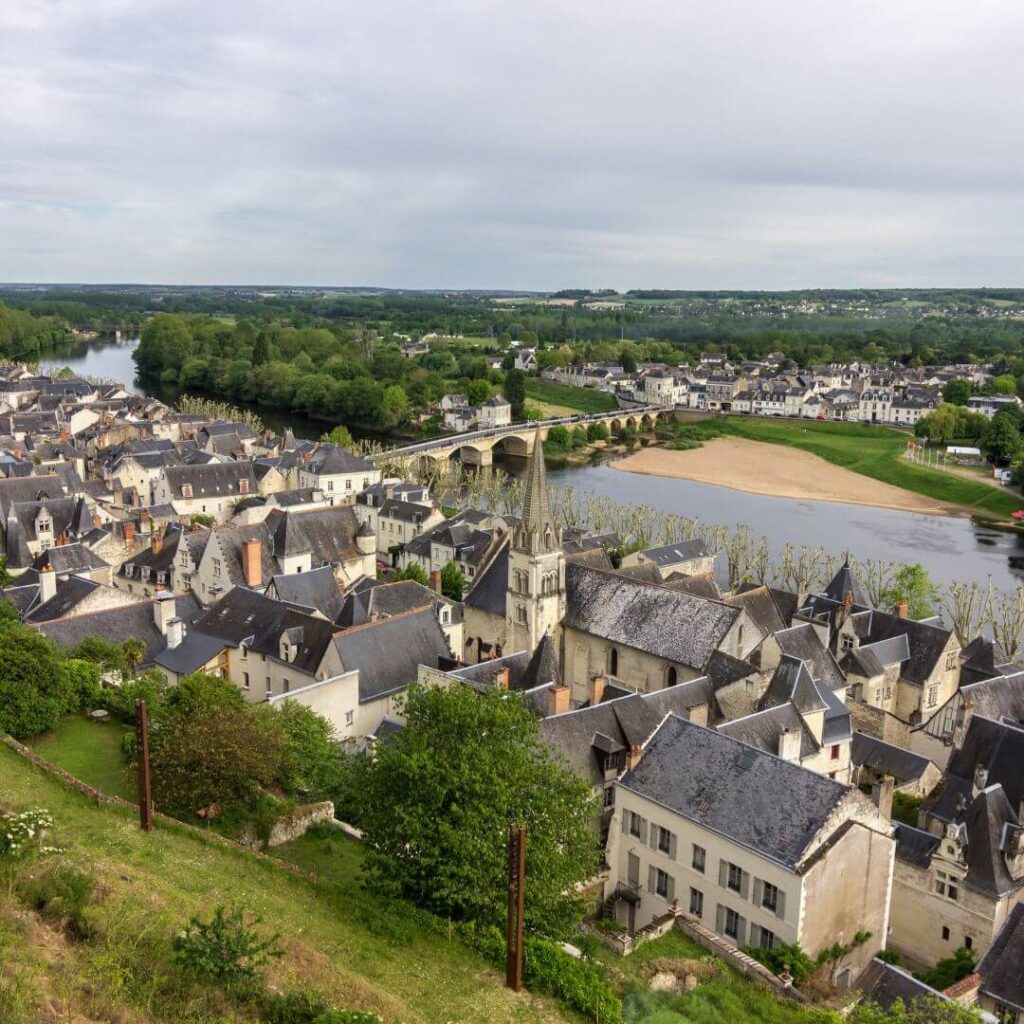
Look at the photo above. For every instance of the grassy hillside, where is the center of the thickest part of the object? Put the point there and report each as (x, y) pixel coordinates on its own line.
(360, 953)
(582, 399)
(875, 452)
(91, 751)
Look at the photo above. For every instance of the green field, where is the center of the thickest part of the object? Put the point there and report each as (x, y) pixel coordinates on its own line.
(337, 939)
(91, 751)
(583, 399)
(876, 452)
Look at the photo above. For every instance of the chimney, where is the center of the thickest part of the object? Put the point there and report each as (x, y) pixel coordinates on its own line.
(47, 583)
(789, 745)
(501, 678)
(636, 752)
(156, 542)
(435, 581)
(163, 610)
(597, 685)
(558, 700)
(129, 533)
(902, 608)
(980, 779)
(881, 796)
(252, 562)
(97, 522)
(175, 633)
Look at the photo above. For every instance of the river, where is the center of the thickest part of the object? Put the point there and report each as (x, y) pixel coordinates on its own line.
(951, 549)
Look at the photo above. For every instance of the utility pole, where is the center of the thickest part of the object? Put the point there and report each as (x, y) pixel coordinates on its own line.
(142, 753)
(516, 895)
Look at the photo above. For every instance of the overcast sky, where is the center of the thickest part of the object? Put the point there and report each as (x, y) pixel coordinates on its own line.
(519, 144)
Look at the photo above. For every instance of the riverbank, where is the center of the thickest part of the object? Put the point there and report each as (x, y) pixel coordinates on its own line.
(770, 469)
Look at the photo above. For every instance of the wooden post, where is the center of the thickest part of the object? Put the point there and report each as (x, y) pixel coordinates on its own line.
(142, 754)
(516, 902)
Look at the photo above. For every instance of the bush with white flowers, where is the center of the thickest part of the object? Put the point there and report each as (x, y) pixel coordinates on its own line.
(23, 833)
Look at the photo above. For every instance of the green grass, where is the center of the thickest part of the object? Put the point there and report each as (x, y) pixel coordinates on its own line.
(360, 952)
(583, 399)
(727, 996)
(876, 452)
(91, 751)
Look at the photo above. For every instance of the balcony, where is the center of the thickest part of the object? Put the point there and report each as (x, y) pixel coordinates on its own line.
(628, 891)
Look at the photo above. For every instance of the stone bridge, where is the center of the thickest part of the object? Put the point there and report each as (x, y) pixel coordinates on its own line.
(478, 447)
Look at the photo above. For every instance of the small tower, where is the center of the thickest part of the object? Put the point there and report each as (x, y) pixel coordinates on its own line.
(535, 602)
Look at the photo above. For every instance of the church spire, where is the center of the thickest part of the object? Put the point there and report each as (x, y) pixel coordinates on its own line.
(535, 498)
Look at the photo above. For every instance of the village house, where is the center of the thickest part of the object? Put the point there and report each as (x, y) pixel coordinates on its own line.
(959, 875)
(756, 848)
(1000, 977)
(691, 557)
(207, 490)
(339, 473)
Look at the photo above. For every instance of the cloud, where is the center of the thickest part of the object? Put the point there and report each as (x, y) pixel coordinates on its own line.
(500, 144)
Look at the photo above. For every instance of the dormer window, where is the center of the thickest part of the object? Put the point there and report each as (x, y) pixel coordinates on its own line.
(129, 570)
(186, 490)
(243, 486)
(145, 572)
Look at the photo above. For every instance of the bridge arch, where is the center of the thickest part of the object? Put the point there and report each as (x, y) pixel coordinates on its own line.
(513, 444)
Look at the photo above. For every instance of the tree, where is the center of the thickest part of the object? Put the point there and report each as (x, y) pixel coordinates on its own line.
(957, 391)
(313, 765)
(1002, 439)
(340, 436)
(134, 651)
(477, 392)
(395, 405)
(453, 581)
(105, 653)
(436, 802)
(1005, 384)
(628, 360)
(950, 970)
(597, 432)
(261, 351)
(923, 1010)
(911, 583)
(35, 690)
(515, 390)
(415, 572)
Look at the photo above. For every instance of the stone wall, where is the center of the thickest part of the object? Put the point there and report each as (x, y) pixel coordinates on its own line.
(292, 825)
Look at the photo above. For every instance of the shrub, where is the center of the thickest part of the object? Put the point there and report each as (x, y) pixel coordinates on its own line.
(348, 1017)
(302, 1007)
(22, 834)
(782, 958)
(888, 956)
(905, 807)
(228, 950)
(597, 432)
(62, 892)
(949, 971)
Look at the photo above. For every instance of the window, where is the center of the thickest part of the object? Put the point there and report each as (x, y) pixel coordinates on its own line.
(732, 923)
(734, 877)
(349, 717)
(664, 840)
(933, 696)
(661, 881)
(766, 939)
(968, 942)
(847, 643)
(285, 685)
(635, 823)
(612, 763)
(950, 661)
(770, 898)
(672, 676)
(833, 754)
(613, 662)
(696, 903)
(945, 934)
(699, 857)
(609, 797)
(521, 614)
(245, 680)
(946, 885)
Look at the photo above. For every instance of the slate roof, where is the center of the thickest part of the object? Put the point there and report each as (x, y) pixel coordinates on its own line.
(886, 759)
(846, 583)
(373, 599)
(194, 651)
(69, 559)
(750, 797)
(672, 554)
(625, 720)
(764, 729)
(119, 623)
(14, 490)
(802, 642)
(987, 820)
(1001, 697)
(723, 669)
(213, 480)
(328, 533)
(884, 983)
(914, 845)
(671, 625)
(316, 590)
(1002, 967)
(998, 748)
(926, 642)
(525, 671)
(388, 653)
(491, 586)
(245, 615)
(760, 606)
(871, 660)
(792, 683)
(703, 585)
(330, 460)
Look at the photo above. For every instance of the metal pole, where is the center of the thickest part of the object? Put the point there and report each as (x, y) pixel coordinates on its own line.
(142, 753)
(516, 903)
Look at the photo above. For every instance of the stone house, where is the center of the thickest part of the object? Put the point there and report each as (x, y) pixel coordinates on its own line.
(339, 473)
(755, 847)
(960, 874)
(212, 489)
(691, 557)
(495, 412)
(1001, 975)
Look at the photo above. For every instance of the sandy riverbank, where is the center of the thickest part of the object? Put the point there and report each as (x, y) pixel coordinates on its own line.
(761, 468)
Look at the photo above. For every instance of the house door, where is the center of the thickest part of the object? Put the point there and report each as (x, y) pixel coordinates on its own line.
(632, 869)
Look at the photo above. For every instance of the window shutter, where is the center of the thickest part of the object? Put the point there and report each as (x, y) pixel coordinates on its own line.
(720, 919)
(758, 888)
(672, 845)
(723, 870)
(651, 878)
(625, 821)
(780, 905)
(744, 884)
(643, 831)
(741, 932)
(653, 837)
(755, 935)
(670, 892)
